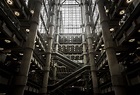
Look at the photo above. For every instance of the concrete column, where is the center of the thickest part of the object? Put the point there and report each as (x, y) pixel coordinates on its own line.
(116, 77)
(90, 51)
(84, 50)
(57, 24)
(57, 32)
(43, 90)
(22, 77)
(83, 34)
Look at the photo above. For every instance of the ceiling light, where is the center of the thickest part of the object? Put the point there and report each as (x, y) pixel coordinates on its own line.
(27, 30)
(14, 58)
(39, 49)
(102, 45)
(107, 10)
(131, 53)
(139, 30)
(7, 41)
(37, 45)
(96, 54)
(8, 54)
(10, 2)
(129, 1)
(17, 13)
(1, 48)
(106, 65)
(138, 47)
(33, 71)
(100, 48)
(122, 12)
(118, 53)
(121, 22)
(32, 11)
(72, 86)
(45, 41)
(131, 40)
(21, 54)
(19, 62)
(111, 29)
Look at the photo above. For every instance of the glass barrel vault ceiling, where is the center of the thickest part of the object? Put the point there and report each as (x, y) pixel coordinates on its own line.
(71, 17)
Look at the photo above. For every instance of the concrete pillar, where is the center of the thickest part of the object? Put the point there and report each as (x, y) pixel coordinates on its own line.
(43, 90)
(84, 50)
(116, 77)
(22, 77)
(57, 27)
(90, 51)
(57, 31)
(83, 35)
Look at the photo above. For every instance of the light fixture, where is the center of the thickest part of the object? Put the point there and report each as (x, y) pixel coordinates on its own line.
(129, 1)
(106, 10)
(1, 48)
(96, 54)
(27, 30)
(39, 49)
(131, 53)
(21, 54)
(106, 65)
(138, 47)
(72, 86)
(10, 2)
(131, 40)
(19, 62)
(139, 30)
(118, 53)
(33, 71)
(122, 12)
(32, 11)
(100, 48)
(45, 41)
(8, 54)
(14, 58)
(102, 45)
(111, 29)
(37, 45)
(7, 41)
(121, 22)
(17, 13)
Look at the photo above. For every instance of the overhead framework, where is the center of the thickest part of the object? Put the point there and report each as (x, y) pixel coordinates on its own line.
(69, 47)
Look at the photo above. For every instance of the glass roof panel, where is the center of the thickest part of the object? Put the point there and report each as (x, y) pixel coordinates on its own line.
(71, 17)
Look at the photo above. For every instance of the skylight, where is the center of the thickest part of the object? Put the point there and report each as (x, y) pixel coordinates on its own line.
(71, 17)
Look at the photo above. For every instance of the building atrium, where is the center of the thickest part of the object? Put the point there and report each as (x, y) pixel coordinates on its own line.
(69, 47)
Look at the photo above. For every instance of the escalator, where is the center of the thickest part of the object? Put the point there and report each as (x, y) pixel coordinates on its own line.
(66, 61)
(68, 79)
